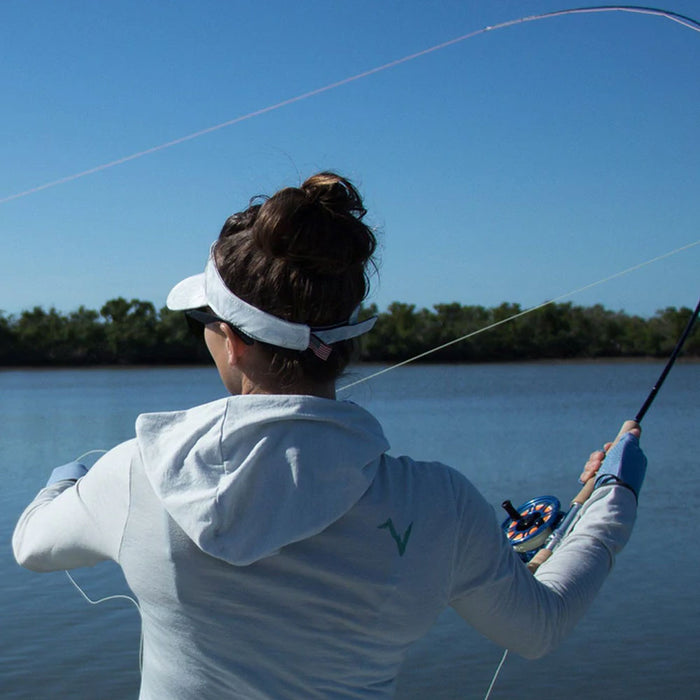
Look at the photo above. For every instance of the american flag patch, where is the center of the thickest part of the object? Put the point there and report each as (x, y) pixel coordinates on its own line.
(321, 350)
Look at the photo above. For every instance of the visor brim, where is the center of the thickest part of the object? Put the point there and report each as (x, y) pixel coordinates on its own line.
(188, 294)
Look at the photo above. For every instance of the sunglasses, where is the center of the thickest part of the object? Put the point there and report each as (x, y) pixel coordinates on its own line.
(197, 319)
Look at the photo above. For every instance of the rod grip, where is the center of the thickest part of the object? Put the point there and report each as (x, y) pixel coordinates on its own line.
(539, 559)
(585, 493)
(581, 497)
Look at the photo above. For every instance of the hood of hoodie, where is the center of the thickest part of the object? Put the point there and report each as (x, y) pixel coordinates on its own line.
(247, 475)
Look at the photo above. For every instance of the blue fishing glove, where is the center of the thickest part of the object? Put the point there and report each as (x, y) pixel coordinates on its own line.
(67, 472)
(625, 464)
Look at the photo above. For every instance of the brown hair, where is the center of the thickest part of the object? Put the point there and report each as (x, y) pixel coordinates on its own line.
(303, 255)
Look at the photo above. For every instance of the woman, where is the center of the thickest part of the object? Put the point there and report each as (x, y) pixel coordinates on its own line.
(276, 550)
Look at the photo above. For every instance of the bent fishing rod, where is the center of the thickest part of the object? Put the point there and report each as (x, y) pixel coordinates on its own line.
(537, 527)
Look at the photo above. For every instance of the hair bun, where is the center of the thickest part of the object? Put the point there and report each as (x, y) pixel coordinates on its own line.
(335, 193)
(317, 227)
(304, 254)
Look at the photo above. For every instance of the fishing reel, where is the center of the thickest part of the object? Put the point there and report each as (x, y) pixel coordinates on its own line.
(540, 523)
(529, 527)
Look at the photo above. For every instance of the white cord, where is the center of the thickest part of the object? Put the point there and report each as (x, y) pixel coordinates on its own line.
(495, 675)
(102, 600)
(88, 453)
(113, 597)
(667, 14)
(118, 596)
(520, 314)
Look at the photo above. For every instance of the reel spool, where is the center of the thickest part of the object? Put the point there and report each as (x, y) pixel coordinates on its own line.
(528, 527)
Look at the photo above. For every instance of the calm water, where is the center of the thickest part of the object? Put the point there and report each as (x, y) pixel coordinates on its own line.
(517, 431)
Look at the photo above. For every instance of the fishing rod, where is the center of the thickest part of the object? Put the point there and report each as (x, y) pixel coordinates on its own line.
(669, 364)
(683, 20)
(537, 527)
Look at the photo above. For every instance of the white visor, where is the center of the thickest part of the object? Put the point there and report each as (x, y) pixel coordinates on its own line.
(208, 289)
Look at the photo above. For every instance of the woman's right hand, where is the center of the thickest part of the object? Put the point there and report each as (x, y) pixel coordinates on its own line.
(595, 461)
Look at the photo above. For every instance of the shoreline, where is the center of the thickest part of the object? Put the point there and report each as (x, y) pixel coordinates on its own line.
(646, 360)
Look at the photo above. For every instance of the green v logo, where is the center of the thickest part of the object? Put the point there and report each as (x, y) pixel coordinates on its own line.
(401, 542)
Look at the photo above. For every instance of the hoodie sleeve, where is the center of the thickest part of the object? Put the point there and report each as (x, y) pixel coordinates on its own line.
(495, 592)
(77, 523)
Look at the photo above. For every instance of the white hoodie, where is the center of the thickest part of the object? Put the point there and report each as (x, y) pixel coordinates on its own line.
(278, 552)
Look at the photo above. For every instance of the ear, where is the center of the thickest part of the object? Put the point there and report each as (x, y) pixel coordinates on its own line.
(235, 347)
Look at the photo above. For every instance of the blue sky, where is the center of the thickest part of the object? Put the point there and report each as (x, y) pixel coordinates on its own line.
(515, 166)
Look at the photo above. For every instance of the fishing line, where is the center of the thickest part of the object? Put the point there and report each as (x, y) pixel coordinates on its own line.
(520, 314)
(117, 596)
(106, 598)
(113, 597)
(90, 452)
(565, 525)
(684, 21)
(495, 675)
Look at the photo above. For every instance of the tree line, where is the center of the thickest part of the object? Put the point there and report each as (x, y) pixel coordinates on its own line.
(134, 332)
